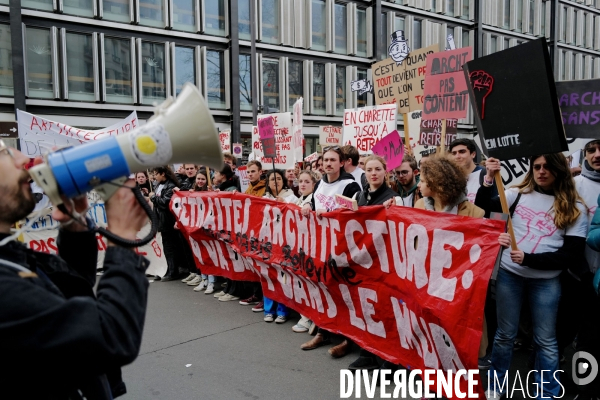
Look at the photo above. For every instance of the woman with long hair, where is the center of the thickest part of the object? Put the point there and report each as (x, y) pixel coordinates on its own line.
(550, 226)
(227, 179)
(141, 179)
(277, 187)
(161, 197)
(201, 183)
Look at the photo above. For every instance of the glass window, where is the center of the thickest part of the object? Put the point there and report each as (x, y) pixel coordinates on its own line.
(584, 20)
(38, 4)
(215, 79)
(519, 5)
(383, 48)
(399, 24)
(117, 70)
(6, 70)
(341, 32)
(361, 35)
(506, 43)
(185, 67)
(152, 13)
(215, 17)
(80, 67)
(493, 44)
(184, 15)
(465, 38)
(465, 9)
(434, 5)
(543, 20)
(319, 89)
(270, 82)
(564, 65)
(574, 28)
(245, 83)
(81, 8)
(416, 34)
(154, 87)
(506, 15)
(296, 81)
(39, 62)
(450, 7)
(116, 10)
(319, 25)
(361, 99)
(563, 24)
(531, 15)
(270, 21)
(340, 90)
(244, 19)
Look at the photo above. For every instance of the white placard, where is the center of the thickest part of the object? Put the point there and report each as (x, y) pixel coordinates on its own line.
(363, 127)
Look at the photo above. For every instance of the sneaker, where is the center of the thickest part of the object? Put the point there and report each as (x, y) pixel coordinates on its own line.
(260, 307)
(485, 362)
(269, 318)
(204, 284)
(196, 281)
(313, 329)
(281, 319)
(250, 301)
(189, 277)
(492, 395)
(198, 288)
(210, 288)
(299, 328)
(228, 297)
(221, 293)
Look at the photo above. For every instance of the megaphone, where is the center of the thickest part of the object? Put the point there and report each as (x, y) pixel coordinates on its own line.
(181, 131)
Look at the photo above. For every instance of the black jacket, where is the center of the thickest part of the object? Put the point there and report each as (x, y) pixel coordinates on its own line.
(378, 197)
(166, 219)
(56, 337)
(187, 183)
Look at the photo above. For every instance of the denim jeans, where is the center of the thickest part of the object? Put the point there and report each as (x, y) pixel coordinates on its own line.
(211, 278)
(544, 295)
(272, 307)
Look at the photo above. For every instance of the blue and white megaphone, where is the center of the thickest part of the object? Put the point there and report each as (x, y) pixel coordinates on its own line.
(181, 131)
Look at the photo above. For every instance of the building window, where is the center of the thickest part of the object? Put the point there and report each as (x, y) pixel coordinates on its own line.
(416, 34)
(80, 67)
(270, 82)
(465, 38)
(574, 36)
(383, 50)
(154, 87)
(506, 15)
(493, 44)
(319, 89)
(215, 17)
(215, 79)
(398, 23)
(185, 67)
(563, 24)
(519, 5)
(152, 13)
(245, 83)
(341, 31)
(117, 70)
(564, 65)
(296, 81)
(361, 34)
(184, 15)
(531, 15)
(584, 30)
(465, 9)
(81, 8)
(543, 20)
(450, 7)
(45, 5)
(244, 19)
(270, 21)
(361, 99)
(39, 63)
(506, 43)
(6, 70)
(340, 90)
(319, 25)
(116, 10)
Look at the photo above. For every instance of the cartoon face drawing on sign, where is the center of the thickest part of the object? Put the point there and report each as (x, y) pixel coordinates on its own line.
(361, 86)
(398, 49)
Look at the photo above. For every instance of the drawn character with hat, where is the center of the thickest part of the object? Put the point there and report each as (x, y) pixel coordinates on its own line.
(398, 49)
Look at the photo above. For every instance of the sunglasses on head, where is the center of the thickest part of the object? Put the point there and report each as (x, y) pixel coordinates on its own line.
(327, 148)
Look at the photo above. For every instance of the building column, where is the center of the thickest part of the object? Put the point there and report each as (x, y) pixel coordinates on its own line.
(234, 69)
(18, 65)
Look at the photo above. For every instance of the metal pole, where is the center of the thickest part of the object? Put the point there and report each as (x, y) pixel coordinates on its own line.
(234, 53)
(554, 26)
(253, 59)
(16, 42)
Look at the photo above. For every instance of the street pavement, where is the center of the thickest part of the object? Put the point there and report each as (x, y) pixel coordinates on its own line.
(196, 347)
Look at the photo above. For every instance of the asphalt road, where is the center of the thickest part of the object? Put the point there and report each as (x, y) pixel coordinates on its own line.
(195, 347)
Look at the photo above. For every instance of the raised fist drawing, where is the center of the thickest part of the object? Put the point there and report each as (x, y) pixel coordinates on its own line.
(482, 83)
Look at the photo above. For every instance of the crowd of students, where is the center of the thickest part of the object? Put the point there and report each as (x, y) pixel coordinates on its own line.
(546, 284)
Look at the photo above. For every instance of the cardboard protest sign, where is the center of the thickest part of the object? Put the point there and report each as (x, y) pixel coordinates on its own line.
(242, 173)
(580, 107)
(431, 132)
(516, 109)
(312, 157)
(256, 144)
(391, 149)
(267, 136)
(346, 202)
(416, 67)
(282, 132)
(39, 135)
(390, 84)
(446, 92)
(297, 135)
(330, 135)
(225, 139)
(43, 232)
(363, 127)
(357, 273)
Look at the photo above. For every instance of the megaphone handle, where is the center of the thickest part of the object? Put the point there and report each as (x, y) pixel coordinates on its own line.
(134, 243)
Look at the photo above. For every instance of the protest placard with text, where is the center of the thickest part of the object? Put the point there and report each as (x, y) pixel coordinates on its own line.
(330, 135)
(390, 84)
(446, 93)
(416, 67)
(282, 131)
(580, 107)
(311, 157)
(297, 135)
(391, 149)
(225, 139)
(431, 132)
(267, 136)
(363, 127)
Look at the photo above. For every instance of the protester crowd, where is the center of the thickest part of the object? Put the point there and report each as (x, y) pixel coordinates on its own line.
(542, 298)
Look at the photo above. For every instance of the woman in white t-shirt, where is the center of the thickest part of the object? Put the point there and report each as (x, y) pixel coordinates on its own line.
(550, 227)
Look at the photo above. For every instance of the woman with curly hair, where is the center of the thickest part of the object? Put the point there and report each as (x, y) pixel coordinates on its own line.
(550, 226)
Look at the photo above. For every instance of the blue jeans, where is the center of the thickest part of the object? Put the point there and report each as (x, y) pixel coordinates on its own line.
(272, 307)
(211, 278)
(544, 295)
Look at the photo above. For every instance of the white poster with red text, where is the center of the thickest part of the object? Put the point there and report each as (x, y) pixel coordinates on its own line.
(363, 127)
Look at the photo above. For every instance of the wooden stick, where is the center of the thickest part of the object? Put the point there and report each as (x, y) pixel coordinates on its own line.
(505, 208)
(208, 177)
(407, 134)
(443, 139)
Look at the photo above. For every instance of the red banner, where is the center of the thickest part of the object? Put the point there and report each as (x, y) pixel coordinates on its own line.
(408, 285)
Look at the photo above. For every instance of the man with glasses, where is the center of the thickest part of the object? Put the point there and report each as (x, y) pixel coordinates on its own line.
(408, 179)
(59, 339)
